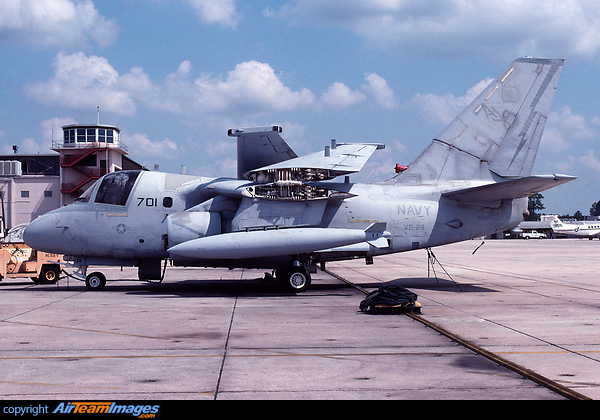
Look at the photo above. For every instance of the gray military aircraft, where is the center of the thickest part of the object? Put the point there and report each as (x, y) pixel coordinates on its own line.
(286, 213)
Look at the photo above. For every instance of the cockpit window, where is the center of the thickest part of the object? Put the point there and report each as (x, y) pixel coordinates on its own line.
(116, 187)
(85, 197)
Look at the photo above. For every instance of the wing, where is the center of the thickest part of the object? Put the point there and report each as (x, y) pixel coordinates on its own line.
(491, 195)
(297, 179)
(289, 178)
(336, 160)
(261, 146)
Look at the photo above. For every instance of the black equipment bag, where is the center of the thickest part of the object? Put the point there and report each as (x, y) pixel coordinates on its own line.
(389, 298)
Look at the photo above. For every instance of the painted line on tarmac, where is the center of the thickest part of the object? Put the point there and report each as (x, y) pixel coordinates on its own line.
(526, 373)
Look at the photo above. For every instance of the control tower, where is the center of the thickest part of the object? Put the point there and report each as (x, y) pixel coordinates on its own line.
(86, 153)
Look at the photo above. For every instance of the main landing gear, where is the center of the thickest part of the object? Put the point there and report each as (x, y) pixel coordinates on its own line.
(295, 279)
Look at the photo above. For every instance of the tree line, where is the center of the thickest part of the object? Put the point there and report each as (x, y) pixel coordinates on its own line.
(535, 206)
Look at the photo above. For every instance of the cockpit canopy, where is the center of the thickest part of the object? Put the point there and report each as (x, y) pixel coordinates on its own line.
(116, 187)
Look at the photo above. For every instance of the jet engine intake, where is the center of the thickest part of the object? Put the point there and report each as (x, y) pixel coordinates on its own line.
(185, 226)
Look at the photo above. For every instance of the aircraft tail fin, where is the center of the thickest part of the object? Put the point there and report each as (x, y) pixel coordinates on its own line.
(498, 132)
(556, 223)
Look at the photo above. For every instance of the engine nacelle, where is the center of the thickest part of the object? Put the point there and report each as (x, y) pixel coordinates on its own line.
(183, 227)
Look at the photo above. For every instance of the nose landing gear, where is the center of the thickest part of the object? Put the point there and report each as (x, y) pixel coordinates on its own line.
(95, 281)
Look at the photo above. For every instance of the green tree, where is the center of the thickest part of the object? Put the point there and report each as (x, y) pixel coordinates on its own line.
(534, 206)
(578, 215)
(595, 209)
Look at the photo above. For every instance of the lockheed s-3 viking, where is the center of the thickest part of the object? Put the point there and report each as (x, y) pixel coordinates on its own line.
(288, 213)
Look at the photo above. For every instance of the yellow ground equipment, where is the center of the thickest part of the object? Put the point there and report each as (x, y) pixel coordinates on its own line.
(18, 260)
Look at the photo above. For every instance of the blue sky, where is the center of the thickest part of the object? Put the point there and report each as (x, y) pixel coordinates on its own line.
(175, 75)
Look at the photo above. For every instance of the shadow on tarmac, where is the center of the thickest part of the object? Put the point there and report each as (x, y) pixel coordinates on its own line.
(190, 288)
(245, 287)
(431, 283)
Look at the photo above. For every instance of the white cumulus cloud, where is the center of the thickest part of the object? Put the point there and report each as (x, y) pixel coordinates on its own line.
(63, 23)
(222, 12)
(591, 161)
(378, 88)
(450, 27)
(338, 95)
(141, 145)
(82, 82)
(251, 89)
(443, 109)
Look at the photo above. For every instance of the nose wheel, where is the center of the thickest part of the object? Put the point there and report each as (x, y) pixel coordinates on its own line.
(95, 281)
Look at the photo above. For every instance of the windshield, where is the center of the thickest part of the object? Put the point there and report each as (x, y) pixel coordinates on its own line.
(116, 187)
(85, 197)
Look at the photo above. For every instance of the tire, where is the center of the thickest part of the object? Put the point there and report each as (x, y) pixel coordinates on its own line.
(95, 281)
(48, 275)
(297, 280)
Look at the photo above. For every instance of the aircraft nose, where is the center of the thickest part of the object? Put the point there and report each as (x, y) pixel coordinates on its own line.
(46, 234)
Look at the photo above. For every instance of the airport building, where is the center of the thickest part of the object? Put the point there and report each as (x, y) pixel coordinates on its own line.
(86, 153)
(31, 185)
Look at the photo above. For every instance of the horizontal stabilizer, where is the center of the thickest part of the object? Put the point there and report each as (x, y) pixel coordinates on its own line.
(490, 195)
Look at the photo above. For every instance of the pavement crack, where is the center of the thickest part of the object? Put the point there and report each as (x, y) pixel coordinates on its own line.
(225, 349)
(39, 307)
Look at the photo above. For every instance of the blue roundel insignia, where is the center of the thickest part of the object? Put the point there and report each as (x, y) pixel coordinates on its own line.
(120, 228)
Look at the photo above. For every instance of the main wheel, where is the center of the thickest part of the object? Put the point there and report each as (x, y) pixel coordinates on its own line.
(48, 275)
(95, 281)
(297, 280)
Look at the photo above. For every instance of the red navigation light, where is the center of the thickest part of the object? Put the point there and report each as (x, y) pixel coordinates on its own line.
(400, 168)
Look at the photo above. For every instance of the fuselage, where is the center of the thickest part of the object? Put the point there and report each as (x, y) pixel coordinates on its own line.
(131, 216)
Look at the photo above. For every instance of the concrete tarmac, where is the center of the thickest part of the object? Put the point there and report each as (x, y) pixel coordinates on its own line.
(222, 334)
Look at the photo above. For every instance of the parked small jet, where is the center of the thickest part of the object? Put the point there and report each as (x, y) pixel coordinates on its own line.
(287, 213)
(589, 230)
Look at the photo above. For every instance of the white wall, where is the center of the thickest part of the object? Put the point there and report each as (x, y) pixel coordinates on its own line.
(25, 198)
